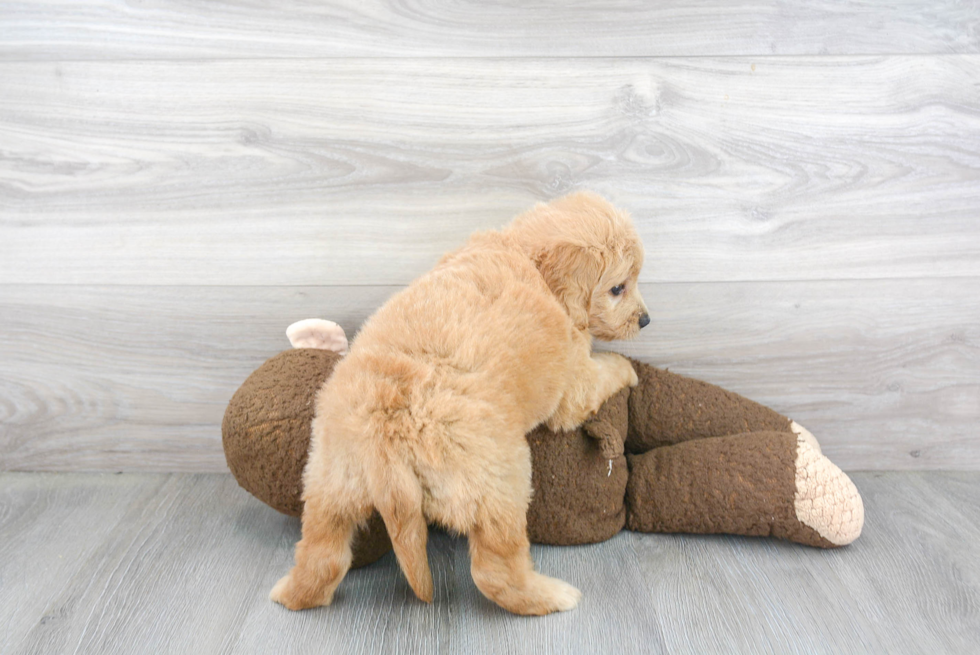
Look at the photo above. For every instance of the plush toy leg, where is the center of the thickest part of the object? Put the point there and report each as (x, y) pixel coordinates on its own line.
(666, 408)
(762, 484)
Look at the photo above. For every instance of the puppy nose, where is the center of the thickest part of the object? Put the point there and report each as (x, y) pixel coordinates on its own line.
(644, 321)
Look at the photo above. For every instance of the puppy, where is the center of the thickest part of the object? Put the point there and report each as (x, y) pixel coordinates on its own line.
(425, 419)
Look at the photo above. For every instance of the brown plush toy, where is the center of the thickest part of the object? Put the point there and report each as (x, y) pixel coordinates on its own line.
(672, 454)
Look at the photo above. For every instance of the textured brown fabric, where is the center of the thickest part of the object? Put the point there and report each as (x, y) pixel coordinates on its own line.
(666, 408)
(705, 483)
(578, 495)
(266, 428)
(610, 425)
(266, 436)
(370, 543)
(741, 484)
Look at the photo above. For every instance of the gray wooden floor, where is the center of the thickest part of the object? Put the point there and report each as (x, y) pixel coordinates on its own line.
(182, 563)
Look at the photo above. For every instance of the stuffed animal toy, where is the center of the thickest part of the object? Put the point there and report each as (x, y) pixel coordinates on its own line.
(673, 454)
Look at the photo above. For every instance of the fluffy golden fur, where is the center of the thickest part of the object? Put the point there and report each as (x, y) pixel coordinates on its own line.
(425, 419)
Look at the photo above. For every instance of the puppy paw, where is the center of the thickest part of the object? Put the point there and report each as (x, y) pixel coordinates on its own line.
(558, 595)
(567, 597)
(279, 593)
(629, 376)
(619, 367)
(292, 596)
(626, 370)
(632, 378)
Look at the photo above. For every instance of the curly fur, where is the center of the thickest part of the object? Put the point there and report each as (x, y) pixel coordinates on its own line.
(425, 419)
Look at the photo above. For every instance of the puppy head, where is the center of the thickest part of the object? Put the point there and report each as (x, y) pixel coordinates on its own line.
(590, 257)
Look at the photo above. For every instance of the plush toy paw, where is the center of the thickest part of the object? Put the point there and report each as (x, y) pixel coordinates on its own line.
(826, 500)
(767, 483)
(317, 333)
(805, 435)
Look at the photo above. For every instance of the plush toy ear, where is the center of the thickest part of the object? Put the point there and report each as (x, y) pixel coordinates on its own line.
(572, 273)
(317, 333)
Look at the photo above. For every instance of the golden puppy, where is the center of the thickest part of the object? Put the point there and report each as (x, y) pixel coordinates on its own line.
(425, 419)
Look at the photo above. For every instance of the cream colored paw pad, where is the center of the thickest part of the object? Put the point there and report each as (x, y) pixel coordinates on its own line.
(826, 499)
(805, 434)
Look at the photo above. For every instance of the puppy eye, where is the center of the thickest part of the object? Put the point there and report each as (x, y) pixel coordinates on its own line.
(618, 289)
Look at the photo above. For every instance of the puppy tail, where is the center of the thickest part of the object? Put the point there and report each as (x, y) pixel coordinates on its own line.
(400, 505)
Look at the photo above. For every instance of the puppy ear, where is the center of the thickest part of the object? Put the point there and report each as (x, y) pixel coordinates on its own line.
(572, 273)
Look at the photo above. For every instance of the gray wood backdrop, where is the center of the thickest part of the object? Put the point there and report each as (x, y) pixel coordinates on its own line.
(180, 181)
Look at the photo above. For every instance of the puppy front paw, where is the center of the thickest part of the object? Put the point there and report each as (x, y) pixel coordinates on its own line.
(632, 378)
(621, 368)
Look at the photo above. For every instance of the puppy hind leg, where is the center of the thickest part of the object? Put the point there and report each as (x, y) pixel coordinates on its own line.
(323, 556)
(398, 498)
(500, 562)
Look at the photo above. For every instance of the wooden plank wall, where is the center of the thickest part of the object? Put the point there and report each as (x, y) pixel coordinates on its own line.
(180, 182)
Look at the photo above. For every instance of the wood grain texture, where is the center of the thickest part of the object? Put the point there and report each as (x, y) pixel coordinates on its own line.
(365, 171)
(340, 28)
(186, 531)
(124, 378)
(50, 529)
(910, 583)
(886, 373)
(182, 563)
(199, 555)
